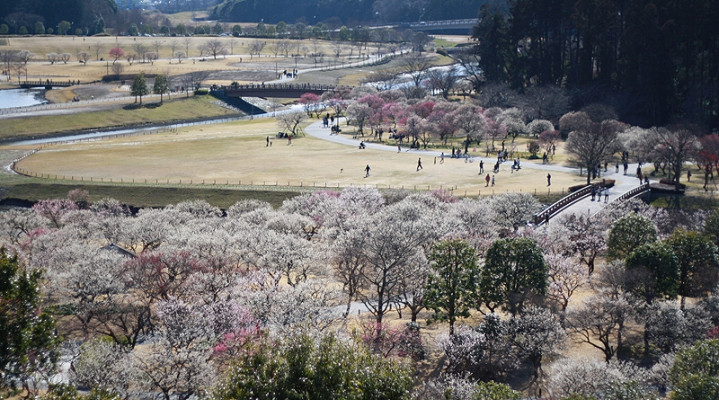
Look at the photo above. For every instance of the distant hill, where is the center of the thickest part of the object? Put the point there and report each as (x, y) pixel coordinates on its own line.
(347, 12)
(81, 14)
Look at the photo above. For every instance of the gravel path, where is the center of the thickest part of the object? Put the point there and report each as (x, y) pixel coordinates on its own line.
(623, 183)
(316, 130)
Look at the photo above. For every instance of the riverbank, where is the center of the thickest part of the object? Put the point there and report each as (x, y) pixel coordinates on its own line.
(107, 117)
(15, 97)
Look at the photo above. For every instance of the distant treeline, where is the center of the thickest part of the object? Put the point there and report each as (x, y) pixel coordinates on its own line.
(36, 16)
(655, 61)
(345, 12)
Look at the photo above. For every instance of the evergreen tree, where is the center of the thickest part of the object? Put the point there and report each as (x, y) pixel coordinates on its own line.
(161, 86)
(304, 368)
(698, 262)
(139, 87)
(28, 343)
(451, 289)
(628, 233)
(513, 271)
(695, 373)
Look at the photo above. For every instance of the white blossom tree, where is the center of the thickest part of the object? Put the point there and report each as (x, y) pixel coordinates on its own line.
(538, 335)
(599, 322)
(512, 210)
(565, 277)
(590, 378)
(105, 365)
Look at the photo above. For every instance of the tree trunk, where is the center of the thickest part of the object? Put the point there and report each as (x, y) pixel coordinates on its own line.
(677, 175)
(589, 174)
(646, 342)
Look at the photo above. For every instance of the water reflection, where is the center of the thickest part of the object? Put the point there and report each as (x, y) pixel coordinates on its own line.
(22, 97)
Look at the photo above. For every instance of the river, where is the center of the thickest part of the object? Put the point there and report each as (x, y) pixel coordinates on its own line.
(22, 97)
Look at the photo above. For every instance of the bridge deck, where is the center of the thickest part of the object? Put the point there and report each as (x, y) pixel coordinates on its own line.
(282, 90)
(48, 83)
(624, 184)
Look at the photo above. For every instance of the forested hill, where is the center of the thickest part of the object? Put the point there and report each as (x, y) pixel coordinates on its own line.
(80, 13)
(349, 12)
(655, 61)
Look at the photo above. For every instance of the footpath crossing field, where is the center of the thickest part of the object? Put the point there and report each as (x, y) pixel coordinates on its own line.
(237, 153)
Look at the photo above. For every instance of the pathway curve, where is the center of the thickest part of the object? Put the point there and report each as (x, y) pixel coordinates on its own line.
(316, 130)
(623, 183)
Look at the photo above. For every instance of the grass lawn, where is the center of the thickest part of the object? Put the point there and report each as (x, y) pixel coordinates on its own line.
(166, 47)
(356, 76)
(235, 154)
(180, 108)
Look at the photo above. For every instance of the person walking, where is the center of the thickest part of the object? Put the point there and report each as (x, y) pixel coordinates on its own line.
(399, 148)
(487, 179)
(419, 164)
(441, 158)
(593, 192)
(492, 180)
(481, 166)
(606, 195)
(268, 142)
(549, 180)
(366, 170)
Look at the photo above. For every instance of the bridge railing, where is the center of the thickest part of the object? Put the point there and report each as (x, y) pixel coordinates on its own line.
(633, 193)
(471, 21)
(279, 86)
(544, 215)
(50, 82)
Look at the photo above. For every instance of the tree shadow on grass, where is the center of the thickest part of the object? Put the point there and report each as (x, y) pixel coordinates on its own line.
(135, 106)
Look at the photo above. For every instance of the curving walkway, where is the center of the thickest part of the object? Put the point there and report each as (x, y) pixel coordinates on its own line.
(624, 183)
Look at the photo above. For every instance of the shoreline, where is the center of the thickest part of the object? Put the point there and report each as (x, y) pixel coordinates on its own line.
(41, 94)
(144, 126)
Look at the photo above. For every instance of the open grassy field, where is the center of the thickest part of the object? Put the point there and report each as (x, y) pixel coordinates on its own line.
(237, 59)
(235, 154)
(237, 65)
(178, 109)
(356, 76)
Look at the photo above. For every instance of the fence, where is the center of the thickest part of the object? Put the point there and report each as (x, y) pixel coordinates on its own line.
(227, 183)
(455, 190)
(294, 86)
(51, 106)
(633, 193)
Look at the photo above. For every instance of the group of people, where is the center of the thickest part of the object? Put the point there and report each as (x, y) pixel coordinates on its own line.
(598, 192)
(327, 120)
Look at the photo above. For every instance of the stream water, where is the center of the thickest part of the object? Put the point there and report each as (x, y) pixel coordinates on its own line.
(22, 97)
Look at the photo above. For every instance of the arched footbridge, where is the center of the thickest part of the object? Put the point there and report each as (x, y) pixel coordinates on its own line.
(275, 90)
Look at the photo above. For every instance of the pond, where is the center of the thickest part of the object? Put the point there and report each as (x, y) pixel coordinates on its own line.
(22, 97)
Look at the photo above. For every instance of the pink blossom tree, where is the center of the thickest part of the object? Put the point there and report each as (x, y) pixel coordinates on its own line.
(310, 103)
(116, 53)
(54, 209)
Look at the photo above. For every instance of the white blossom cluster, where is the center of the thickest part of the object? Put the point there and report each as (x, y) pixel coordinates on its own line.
(161, 298)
